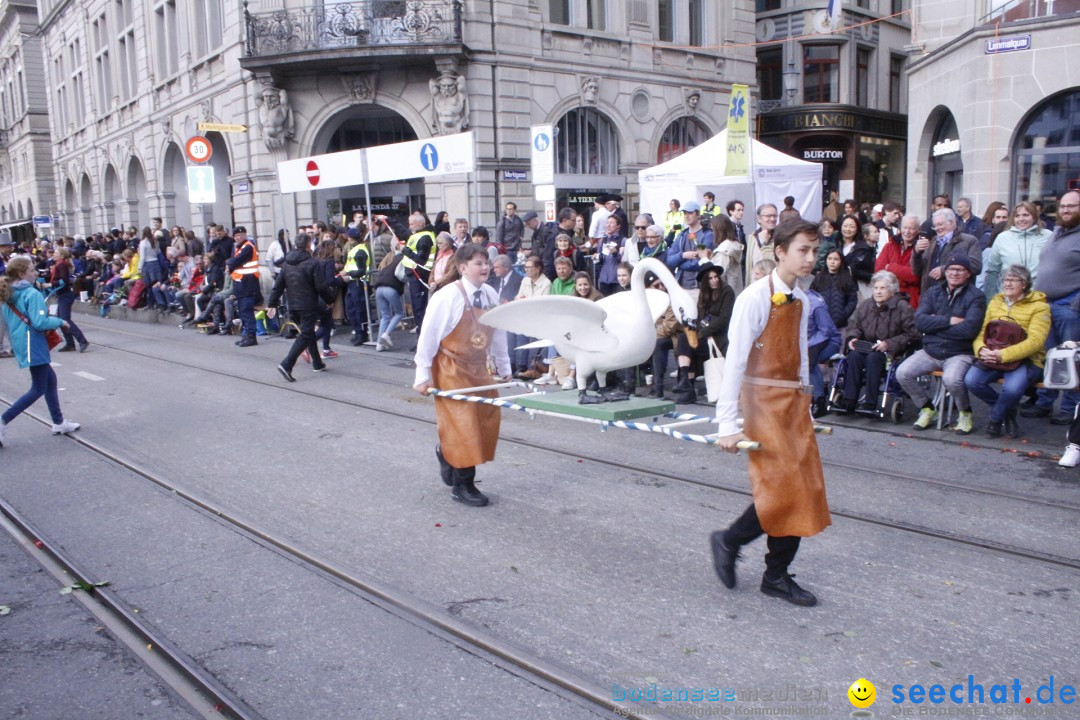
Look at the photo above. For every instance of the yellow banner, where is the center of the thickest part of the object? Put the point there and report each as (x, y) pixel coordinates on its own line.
(738, 132)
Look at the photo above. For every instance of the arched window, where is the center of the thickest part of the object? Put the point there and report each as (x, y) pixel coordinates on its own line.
(681, 135)
(947, 166)
(586, 143)
(1047, 150)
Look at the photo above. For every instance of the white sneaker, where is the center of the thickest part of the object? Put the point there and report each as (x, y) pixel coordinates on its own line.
(1071, 458)
(386, 341)
(3, 427)
(569, 383)
(379, 347)
(65, 427)
(547, 378)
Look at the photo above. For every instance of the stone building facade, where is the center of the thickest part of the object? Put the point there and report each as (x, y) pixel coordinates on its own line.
(995, 102)
(627, 84)
(833, 91)
(26, 168)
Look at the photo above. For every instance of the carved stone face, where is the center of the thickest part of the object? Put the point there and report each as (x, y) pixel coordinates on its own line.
(271, 98)
(692, 100)
(590, 88)
(447, 87)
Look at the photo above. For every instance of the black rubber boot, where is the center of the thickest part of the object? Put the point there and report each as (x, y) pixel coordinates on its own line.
(685, 394)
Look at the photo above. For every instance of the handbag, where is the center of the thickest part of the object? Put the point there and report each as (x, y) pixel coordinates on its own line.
(999, 334)
(52, 337)
(714, 371)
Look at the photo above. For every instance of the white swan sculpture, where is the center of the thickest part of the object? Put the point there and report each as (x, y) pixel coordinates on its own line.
(616, 332)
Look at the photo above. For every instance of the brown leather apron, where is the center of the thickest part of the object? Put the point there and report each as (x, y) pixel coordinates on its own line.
(785, 475)
(468, 431)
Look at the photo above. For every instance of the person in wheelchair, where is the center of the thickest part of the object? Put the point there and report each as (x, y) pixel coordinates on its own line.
(883, 326)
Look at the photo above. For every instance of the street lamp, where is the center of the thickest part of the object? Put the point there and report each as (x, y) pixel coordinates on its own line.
(791, 82)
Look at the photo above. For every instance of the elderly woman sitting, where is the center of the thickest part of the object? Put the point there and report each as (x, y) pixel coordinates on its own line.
(1021, 363)
(883, 325)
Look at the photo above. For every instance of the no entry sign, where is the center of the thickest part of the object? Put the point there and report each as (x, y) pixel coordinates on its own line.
(321, 172)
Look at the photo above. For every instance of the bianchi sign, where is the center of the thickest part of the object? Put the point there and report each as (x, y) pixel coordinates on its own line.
(1011, 43)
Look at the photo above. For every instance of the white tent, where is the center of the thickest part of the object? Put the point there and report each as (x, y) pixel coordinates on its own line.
(773, 176)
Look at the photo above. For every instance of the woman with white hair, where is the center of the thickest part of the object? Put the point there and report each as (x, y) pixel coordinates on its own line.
(887, 323)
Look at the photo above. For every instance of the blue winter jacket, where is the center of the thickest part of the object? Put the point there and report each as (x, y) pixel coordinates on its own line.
(30, 348)
(941, 339)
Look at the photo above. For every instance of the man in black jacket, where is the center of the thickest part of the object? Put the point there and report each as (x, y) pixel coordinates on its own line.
(307, 287)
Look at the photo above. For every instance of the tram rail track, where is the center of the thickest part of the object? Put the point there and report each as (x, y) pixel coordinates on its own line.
(223, 703)
(868, 518)
(200, 690)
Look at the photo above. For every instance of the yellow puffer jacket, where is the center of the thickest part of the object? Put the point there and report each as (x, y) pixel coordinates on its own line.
(1032, 313)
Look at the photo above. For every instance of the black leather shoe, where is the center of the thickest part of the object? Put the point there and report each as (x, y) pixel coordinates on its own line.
(67, 348)
(786, 588)
(993, 430)
(445, 471)
(1035, 411)
(465, 492)
(1061, 419)
(1012, 428)
(247, 341)
(820, 407)
(724, 559)
(285, 373)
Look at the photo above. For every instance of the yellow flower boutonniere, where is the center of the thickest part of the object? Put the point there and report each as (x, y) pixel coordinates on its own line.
(779, 298)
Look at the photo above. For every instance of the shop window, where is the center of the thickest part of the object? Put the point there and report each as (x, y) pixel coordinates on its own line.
(821, 76)
(681, 135)
(765, 5)
(770, 75)
(586, 143)
(880, 169)
(862, 77)
(1047, 150)
(946, 162)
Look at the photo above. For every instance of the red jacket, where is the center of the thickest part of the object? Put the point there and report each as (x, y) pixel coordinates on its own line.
(898, 261)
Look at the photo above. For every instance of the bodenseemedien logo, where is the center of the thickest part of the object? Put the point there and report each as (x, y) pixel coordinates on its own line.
(862, 695)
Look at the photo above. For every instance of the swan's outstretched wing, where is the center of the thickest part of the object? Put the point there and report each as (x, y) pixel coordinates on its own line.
(562, 319)
(622, 304)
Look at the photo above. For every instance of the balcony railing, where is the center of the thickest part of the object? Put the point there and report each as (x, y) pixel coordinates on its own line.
(1017, 10)
(361, 24)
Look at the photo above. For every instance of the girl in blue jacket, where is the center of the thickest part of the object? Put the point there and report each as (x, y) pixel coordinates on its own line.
(27, 321)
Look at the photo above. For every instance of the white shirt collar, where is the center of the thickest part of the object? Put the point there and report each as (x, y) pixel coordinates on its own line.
(469, 287)
(779, 285)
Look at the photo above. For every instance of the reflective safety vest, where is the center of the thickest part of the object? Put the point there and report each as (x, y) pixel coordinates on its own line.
(673, 218)
(350, 261)
(251, 267)
(414, 241)
(709, 212)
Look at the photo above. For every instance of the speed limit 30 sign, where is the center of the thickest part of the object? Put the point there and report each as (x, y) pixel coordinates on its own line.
(198, 149)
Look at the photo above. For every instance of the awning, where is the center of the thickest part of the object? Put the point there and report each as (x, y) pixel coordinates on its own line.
(17, 223)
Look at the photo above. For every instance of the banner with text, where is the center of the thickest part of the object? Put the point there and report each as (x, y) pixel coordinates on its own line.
(738, 132)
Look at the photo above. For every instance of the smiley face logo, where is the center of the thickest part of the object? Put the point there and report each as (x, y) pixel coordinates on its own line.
(862, 693)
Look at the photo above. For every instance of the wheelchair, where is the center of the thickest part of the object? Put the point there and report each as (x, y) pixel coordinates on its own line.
(891, 397)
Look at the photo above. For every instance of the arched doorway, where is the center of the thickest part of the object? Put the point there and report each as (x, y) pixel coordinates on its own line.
(111, 198)
(946, 165)
(1046, 149)
(71, 203)
(681, 135)
(85, 223)
(586, 159)
(362, 126)
(138, 206)
(221, 212)
(20, 216)
(174, 187)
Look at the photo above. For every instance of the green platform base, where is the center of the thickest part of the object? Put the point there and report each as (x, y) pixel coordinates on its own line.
(566, 402)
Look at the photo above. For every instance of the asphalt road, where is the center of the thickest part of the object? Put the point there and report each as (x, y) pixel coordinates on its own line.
(592, 556)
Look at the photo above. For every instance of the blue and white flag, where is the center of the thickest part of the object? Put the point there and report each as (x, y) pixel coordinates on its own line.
(834, 11)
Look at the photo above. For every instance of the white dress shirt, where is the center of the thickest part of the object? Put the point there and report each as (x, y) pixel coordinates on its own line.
(598, 225)
(748, 321)
(445, 309)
